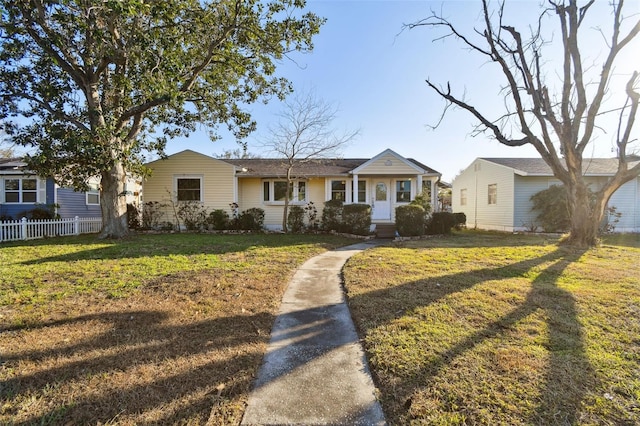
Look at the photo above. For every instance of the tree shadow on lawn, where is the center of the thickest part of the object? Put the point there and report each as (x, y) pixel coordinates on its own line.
(115, 368)
(568, 375)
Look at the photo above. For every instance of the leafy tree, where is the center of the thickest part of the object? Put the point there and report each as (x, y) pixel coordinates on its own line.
(101, 83)
(305, 132)
(557, 111)
(553, 208)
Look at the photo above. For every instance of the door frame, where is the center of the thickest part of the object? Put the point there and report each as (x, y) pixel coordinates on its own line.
(378, 206)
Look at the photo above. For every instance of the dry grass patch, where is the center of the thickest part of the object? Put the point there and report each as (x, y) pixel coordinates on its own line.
(483, 328)
(158, 329)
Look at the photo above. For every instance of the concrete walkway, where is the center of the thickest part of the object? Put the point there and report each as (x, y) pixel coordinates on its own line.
(315, 371)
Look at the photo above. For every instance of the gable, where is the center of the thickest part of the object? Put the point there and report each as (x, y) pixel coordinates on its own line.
(389, 163)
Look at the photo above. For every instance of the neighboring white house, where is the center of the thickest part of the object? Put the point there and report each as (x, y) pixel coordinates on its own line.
(385, 182)
(495, 193)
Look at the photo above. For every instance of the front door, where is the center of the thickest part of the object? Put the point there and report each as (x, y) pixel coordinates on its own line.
(381, 200)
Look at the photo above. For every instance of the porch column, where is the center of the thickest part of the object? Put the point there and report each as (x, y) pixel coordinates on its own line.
(434, 197)
(354, 198)
(419, 185)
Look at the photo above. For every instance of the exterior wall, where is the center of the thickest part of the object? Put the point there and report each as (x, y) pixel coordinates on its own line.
(626, 200)
(480, 214)
(74, 203)
(250, 195)
(218, 180)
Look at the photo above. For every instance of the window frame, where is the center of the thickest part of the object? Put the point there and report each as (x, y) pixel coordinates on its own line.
(269, 191)
(94, 190)
(492, 194)
(362, 190)
(189, 177)
(463, 197)
(400, 191)
(20, 191)
(343, 182)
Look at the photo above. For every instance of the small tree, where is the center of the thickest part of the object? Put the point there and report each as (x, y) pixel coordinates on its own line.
(304, 132)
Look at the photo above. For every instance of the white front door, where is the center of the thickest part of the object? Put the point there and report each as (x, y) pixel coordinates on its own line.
(381, 200)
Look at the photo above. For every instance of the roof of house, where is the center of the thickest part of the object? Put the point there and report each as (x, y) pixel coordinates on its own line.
(11, 163)
(537, 166)
(272, 167)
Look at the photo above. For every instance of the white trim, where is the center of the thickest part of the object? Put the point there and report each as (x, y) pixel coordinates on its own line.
(175, 186)
(296, 188)
(20, 190)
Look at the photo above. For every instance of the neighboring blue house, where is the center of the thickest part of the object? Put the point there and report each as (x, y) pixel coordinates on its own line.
(21, 191)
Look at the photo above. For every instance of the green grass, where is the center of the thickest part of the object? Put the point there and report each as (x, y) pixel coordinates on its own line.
(483, 328)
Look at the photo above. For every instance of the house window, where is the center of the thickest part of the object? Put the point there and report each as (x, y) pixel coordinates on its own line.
(463, 197)
(20, 190)
(492, 197)
(276, 191)
(362, 192)
(339, 190)
(189, 189)
(93, 194)
(403, 191)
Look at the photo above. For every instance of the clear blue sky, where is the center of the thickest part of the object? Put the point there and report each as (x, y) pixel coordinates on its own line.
(374, 71)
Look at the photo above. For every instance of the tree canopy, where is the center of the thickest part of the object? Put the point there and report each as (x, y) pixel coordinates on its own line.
(94, 85)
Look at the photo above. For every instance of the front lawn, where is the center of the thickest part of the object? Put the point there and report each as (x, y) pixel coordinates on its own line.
(158, 329)
(483, 328)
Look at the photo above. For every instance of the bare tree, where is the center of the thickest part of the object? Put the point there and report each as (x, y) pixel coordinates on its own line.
(559, 125)
(304, 132)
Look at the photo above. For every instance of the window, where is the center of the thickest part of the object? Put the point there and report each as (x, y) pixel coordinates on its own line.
(403, 191)
(20, 190)
(189, 189)
(276, 191)
(93, 194)
(339, 190)
(492, 197)
(463, 197)
(362, 192)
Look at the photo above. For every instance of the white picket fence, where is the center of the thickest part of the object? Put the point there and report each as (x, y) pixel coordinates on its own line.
(33, 229)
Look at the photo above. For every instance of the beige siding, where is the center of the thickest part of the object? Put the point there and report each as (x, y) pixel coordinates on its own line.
(387, 164)
(476, 180)
(218, 181)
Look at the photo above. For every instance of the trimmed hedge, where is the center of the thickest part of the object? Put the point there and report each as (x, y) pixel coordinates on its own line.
(356, 218)
(252, 219)
(295, 219)
(441, 223)
(332, 215)
(410, 220)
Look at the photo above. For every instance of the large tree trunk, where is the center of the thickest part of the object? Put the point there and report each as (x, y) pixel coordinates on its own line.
(113, 203)
(586, 216)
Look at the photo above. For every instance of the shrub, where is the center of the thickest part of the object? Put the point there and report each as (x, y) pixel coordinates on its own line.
(410, 220)
(553, 208)
(133, 216)
(193, 215)
(459, 220)
(356, 218)
(332, 215)
(422, 199)
(218, 219)
(441, 223)
(312, 215)
(40, 212)
(151, 215)
(295, 219)
(252, 219)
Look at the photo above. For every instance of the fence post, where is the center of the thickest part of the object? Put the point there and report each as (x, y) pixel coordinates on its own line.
(77, 225)
(23, 228)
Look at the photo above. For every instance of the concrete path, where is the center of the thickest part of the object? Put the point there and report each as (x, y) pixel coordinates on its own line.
(315, 371)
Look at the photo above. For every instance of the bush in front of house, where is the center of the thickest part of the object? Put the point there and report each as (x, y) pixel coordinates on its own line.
(251, 219)
(40, 212)
(332, 215)
(441, 223)
(553, 208)
(218, 219)
(193, 215)
(295, 219)
(151, 215)
(410, 220)
(356, 219)
(133, 216)
(460, 220)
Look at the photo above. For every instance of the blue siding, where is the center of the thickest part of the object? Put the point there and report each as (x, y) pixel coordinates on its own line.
(74, 204)
(16, 211)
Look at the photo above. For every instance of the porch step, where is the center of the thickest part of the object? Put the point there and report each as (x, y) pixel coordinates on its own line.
(385, 230)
